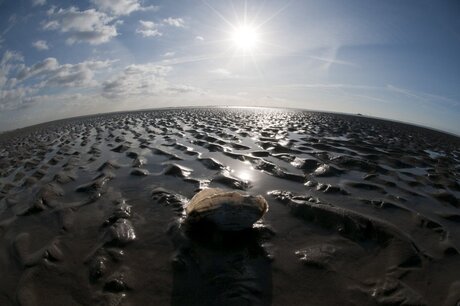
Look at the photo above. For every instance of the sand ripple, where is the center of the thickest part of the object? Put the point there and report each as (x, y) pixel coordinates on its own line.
(362, 211)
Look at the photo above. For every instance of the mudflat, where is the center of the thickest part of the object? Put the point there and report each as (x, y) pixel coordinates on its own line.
(361, 211)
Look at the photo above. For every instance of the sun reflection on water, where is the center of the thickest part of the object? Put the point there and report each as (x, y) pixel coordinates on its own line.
(246, 173)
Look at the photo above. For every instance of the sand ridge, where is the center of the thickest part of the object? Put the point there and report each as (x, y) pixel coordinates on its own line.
(366, 209)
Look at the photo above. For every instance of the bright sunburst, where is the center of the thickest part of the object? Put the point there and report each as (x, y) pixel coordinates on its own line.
(246, 34)
(245, 37)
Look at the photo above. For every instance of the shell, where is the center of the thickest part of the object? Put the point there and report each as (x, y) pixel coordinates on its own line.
(228, 210)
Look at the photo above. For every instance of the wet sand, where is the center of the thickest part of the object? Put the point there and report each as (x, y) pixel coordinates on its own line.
(362, 211)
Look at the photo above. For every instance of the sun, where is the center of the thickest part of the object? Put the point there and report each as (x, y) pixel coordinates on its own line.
(245, 37)
(246, 33)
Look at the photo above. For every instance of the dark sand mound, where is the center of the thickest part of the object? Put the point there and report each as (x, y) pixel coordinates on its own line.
(362, 211)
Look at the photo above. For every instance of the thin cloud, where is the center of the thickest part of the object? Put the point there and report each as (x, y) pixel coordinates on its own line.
(11, 23)
(122, 7)
(192, 59)
(403, 91)
(330, 61)
(137, 80)
(144, 80)
(423, 97)
(40, 45)
(38, 2)
(328, 86)
(223, 73)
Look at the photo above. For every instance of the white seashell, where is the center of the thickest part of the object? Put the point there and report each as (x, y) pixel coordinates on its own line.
(228, 210)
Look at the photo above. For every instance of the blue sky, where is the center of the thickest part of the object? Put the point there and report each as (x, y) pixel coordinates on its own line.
(390, 59)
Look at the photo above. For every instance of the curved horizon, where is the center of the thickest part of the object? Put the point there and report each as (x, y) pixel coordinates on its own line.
(451, 133)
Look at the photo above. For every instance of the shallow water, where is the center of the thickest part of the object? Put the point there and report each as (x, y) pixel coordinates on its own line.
(362, 211)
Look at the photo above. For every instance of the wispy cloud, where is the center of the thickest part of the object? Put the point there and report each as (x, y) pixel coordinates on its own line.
(122, 7)
(146, 79)
(223, 73)
(175, 22)
(192, 59)
(50, 73)
(40, 45)
(378, 93)
(90, 26)
(330, 61)
(370, 98)
(152, 28)
(148, 29)
(11, 22)
(38, 2)
(330, 57)
(136, 80)
(403, 91)
(169, 54)
(423, 97)
(328, 86)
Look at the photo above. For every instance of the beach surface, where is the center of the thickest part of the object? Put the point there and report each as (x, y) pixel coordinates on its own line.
(361, 211)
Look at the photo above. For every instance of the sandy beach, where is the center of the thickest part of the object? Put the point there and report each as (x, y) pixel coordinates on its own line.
(361, 211)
